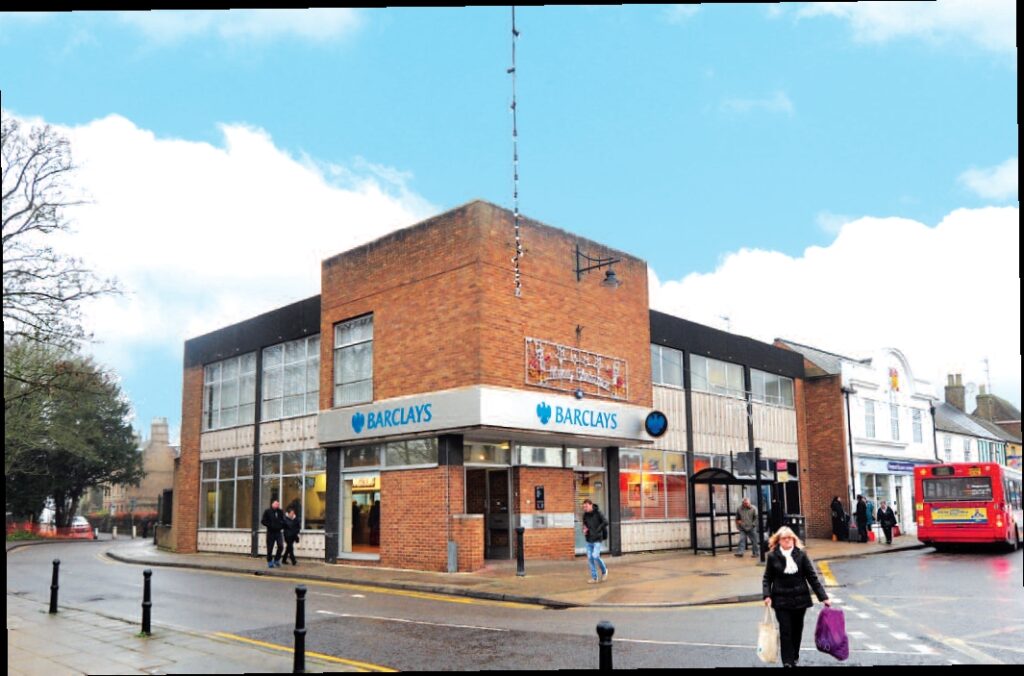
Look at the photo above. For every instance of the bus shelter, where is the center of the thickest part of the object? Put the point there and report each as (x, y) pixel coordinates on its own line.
(711, 477)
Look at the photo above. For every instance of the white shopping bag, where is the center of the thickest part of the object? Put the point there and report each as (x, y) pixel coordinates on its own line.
(768, 638)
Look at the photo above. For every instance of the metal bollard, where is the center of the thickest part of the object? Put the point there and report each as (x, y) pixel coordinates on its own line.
(54, 586)
(113, 533)
(605, 629)
(520, 554)
(300, 629)
(147, 603)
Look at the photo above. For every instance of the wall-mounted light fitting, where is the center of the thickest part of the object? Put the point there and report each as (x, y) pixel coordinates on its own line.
(610, 280)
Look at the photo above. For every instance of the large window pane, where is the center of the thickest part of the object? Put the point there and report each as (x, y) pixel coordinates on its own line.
(271, 464)
(210, 470)
(226, 508)
(316, 461)
(675, 462)
(243, 503)
(316, 500)
(270, 490)
(630, 495)
(654, 496)
(292, 462)
(675, 496)
(542, 456)
(630, 460)
(229, 392)
(227, 469)
(490, 454)
(291, 494)
(653, 461)
(412, 452)
(353, 362)
(362, 456)
(208, 504)
(244, 466)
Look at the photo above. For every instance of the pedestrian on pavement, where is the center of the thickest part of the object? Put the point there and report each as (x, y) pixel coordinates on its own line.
(292, 526)
(273, 519)
(595, 529)
(787, 573)
(746, 522)
(374, 524)
(840, 520)
(861, 516)
(886, 519)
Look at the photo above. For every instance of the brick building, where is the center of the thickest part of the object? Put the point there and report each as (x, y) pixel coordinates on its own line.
(418, 410)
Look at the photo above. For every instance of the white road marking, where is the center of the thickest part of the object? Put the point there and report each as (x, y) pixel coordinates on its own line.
(923, 649)
(864, 616)
(874, 648)
(407, 621)
(857, 634)
(852, 609)
(900, 636)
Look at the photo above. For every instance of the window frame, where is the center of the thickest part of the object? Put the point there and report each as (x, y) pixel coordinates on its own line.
(338, 352)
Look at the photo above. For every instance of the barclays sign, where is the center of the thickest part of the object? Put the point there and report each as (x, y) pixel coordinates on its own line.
(391, 418)
(577, 417)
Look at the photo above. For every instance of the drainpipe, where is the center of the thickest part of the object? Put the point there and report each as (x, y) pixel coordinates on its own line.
(847, 391)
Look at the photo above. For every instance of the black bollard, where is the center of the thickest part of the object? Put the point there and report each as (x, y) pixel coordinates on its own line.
(520, 554)
(54, 586)
(300, 629)
(604, 636)
(147, 602)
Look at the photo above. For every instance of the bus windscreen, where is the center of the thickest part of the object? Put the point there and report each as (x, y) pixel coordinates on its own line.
(978, 488)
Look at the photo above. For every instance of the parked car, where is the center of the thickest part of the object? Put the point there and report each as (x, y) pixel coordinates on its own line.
(79, 524)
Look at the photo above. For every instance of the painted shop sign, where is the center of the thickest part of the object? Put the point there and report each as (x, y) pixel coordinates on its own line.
(570, 369)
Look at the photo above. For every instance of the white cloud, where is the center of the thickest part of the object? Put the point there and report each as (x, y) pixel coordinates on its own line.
(776, 103)
(832, 223)
(261, 25)
(990, 24)
(996, 183)
(947, 296)
(202, 236)
(681, 13)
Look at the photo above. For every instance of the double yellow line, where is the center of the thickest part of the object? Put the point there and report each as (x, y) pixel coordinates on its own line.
(359, 666)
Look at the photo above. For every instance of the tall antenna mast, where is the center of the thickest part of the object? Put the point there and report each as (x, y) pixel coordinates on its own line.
(515, 162)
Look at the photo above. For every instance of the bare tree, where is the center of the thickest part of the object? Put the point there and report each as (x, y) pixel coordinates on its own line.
(43, 288)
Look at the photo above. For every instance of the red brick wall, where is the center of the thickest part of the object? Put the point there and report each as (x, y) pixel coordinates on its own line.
(468, 533)
(545, 543)
(414, 517)
(445, 314)
(186, 480)
(824, 454)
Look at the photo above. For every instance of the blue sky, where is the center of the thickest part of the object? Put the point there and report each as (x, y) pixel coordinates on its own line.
(716, 142)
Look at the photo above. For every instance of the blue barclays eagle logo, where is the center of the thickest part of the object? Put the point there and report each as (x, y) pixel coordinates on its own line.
(358, 420)
(543, 412)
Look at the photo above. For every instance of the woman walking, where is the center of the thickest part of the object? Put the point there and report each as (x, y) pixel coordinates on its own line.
(787, 573)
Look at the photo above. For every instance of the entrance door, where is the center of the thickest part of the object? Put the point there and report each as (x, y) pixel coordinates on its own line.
(498, 544)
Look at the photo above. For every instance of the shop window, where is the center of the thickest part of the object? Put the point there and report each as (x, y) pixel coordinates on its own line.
(483, 453)
(716, 377)
(353, 361)
(666, 366)
(291, 378)
(229, 392)
(770, 388)
(652, 485)
(584, 457)
(540, 456)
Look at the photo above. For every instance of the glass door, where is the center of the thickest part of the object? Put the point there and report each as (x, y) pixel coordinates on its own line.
(592, 486)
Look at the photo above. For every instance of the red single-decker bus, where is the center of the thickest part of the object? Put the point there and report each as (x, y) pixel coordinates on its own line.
(968, 502)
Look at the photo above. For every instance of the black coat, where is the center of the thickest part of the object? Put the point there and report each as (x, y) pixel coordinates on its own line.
(273, 519)
(596, 525)
(861, 514)
(788, 591)
(292, 528)
(886, 517)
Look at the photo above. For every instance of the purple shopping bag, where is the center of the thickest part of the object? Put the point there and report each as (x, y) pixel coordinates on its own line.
(830, 633)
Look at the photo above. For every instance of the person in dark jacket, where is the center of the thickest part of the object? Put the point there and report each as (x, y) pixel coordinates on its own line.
(861, 516)
(374, 524)
(292, 526)
(273, 520)
(595, 528)
(840, 520)
(886, 519)
(787, 572)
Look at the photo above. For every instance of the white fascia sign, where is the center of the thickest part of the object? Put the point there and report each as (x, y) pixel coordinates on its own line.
(474, 407)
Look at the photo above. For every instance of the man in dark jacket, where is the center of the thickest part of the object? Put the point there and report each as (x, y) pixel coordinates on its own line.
(595, 528)
(861, 516)
(886, 519)
(292, 526)
(273, 519)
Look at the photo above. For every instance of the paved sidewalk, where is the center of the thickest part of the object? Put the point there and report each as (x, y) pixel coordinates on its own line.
(80, 642)
(676, 578)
